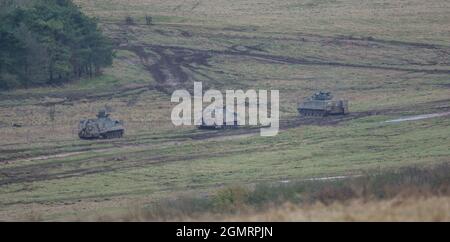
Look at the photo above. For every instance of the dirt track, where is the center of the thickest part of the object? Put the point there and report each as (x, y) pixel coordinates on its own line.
(170, 67)
(49, 171)
(173, 67)
(173, 64)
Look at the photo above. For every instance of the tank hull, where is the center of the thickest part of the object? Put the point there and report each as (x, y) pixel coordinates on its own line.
(102, 128)
(105, 135)
(215, 126)
(221, 125)
(323, 107)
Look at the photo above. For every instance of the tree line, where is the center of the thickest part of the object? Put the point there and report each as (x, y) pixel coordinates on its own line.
(48, 42)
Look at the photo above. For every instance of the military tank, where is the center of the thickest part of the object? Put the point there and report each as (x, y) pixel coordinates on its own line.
(103, 127)
(222, 125)
(322, 104)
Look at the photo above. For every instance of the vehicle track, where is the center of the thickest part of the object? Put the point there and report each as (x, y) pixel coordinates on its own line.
(40, 172)
(173, 66)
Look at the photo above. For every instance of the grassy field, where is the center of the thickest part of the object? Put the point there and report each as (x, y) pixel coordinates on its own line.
(406, 194)
(389, 58)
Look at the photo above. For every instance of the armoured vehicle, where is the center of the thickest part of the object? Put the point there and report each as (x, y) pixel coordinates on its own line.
(221, 125)
(103, 127)
(322, 104)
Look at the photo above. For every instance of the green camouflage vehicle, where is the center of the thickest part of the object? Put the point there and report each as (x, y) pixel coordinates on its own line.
(322, 104)
(101, 128)
(222, 125)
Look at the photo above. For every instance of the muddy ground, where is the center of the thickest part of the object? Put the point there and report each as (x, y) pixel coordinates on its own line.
(48, 171)
(172, 67)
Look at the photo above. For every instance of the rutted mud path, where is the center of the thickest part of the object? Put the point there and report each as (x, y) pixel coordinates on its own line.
(441, 107)
(247, 52)
(173, 67)
(49, 171)
(43, 171)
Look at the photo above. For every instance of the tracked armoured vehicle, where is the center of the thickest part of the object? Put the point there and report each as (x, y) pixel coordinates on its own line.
(101, 128)
(222, 125)
(322, 104)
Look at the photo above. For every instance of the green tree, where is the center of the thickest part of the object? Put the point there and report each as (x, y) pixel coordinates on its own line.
(49, 42)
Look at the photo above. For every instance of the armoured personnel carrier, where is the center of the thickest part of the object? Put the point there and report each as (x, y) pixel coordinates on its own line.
(103, 127)
(221, 125)
(322, 104)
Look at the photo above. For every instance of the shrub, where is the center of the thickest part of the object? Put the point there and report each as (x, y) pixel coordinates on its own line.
(230, 198)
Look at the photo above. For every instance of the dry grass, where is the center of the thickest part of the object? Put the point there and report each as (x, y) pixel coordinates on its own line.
(398, 209)
(156, 161)
(410, 194)
(413, 20)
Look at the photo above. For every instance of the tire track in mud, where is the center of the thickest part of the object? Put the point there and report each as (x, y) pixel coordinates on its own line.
(242, 33)
(173, 66)
(40, 172)
(170, 67)
(167, 62)
(247, 53)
